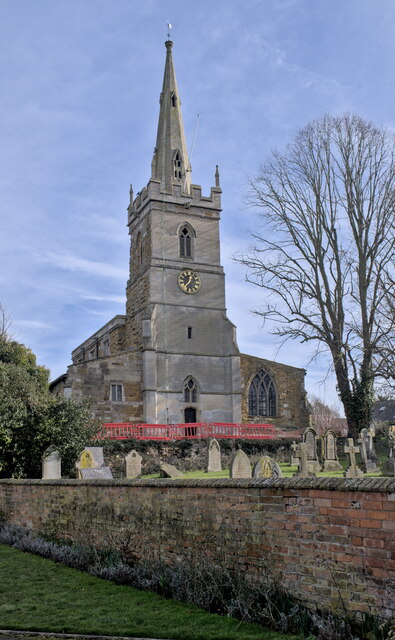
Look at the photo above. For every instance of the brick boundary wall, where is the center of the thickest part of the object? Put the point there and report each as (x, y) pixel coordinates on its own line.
(329, 542)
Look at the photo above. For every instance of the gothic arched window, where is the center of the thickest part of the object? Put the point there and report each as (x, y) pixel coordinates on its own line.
(262, 395)
(190, 390)
(177, 166)
(185, 236)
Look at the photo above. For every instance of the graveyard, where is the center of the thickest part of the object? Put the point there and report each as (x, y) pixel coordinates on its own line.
(316, 512)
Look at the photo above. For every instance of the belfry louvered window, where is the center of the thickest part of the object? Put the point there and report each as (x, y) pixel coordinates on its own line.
(185, 243)
(177, 166)
(262, 395)
(190, 390)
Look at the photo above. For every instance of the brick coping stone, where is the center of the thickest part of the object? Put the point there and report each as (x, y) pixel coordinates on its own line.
(383, 485)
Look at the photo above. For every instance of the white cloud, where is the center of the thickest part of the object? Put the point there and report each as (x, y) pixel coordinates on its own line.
(32, 324)
(104, 298)
(70, 262)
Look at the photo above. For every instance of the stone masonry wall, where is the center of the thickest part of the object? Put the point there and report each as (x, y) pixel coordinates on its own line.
(138, 288)
(329, 542)
(93, 379)
(290, 391)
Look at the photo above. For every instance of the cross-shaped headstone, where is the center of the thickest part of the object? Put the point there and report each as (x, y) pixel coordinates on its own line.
(353, 471)
(301, 452)
(351, 449)
(294, 454)
(362, 441)
(371, 435)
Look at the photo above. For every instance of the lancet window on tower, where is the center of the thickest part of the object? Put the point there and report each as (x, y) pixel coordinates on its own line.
(139, 250)
(185, 237)
(190, 390)
(262, 395)
(173, 99)
(177, 166)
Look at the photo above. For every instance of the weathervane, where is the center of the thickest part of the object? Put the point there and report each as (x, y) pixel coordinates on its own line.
(169, 27)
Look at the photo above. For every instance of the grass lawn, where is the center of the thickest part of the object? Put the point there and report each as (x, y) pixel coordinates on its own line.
(286, 469)
(40, 595)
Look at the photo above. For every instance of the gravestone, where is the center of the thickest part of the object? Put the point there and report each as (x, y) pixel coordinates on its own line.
(133, 464)
(368, 465)
(51, 465)
(266, 467)
(170, 471)
(371, 450)
(310, 440)
(331, 461)
(389, 465)
(90, 458)
(303, 468)
(213, 456)
(294, 457)
(353, 470)
(95, 473)
(240, 465)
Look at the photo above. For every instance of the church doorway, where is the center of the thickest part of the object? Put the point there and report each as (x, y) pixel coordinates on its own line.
(190, 414)
(189, 417)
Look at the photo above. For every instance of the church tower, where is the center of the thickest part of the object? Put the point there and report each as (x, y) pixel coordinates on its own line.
(173, 357)
(175, 309)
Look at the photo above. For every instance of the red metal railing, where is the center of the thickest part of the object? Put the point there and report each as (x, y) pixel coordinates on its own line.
(188, 431)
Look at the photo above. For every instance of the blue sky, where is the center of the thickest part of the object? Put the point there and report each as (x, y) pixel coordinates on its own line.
(80, 84)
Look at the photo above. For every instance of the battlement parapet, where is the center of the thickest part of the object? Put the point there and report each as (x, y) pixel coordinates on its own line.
(177, 195)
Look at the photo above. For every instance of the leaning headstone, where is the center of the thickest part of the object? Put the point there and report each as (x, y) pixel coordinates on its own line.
(303, 468)
(170, 471)
(133, 464)
(90, 458)
(266, 467)
(96, 473)
(240, 465)
(369, 466)
(51, 466)
(294, 457)
(310, 440)
(331, 461)
(389, 465)
(353, 470)
(213, 456)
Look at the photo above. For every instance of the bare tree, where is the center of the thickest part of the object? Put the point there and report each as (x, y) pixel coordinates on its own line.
(384, 357)
(325, 417)
(4, 323)
(327, 248)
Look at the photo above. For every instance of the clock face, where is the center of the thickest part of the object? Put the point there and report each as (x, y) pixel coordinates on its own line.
(189, 281)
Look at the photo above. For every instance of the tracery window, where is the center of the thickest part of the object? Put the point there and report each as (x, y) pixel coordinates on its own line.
(177, 166)
(190, 390)
(262, 395)
(185, 242)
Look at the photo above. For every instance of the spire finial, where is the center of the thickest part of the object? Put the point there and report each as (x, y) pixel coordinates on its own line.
(216, 176)
(169, 28)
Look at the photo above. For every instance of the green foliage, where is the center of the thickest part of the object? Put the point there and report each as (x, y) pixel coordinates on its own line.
(31, 420)
(69, 428)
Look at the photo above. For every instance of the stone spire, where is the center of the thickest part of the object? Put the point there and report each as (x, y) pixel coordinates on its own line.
(170, 163)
